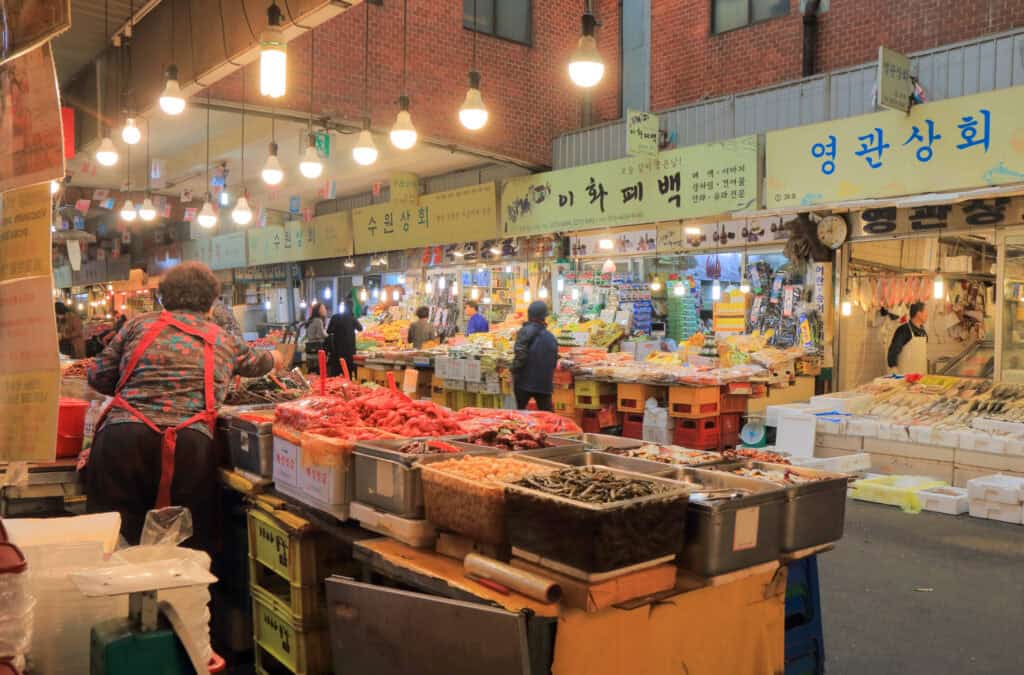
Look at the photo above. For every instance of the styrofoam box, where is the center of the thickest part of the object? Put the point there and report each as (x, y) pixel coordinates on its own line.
(1007, 513)
(862, 426)
(773, 412)
(997, 488)
(982, 441)
(848, 402)
(853, 463)
(286, 462)
(796, 432)
(831, 424)
(947, 438)
(415, 533)
(949, 500)
(893, 432)
(1014, 446)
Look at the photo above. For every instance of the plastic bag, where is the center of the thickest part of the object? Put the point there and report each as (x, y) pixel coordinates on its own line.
(168, 526)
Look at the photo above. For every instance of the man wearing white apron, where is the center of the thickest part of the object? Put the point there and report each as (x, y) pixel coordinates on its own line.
(908, 352)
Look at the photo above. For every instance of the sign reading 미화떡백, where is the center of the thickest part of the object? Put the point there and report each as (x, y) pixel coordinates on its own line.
(937, 218)
(966, 142)
(326, 236)
(25, 232)
(894, 85)
(690, 182)
(455, 216)
(641, 133)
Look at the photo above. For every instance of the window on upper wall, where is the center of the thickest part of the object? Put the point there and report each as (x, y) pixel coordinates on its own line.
(507, 19)
(728, 15)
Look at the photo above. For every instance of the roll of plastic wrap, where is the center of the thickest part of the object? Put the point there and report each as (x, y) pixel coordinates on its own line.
(521, 581)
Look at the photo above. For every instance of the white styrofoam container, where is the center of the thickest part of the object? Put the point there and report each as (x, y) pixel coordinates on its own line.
(947, 438)
(1014, 446)
(328, 483)
(1007, 513)
(893, 432)
(946, 499)
(843, 401)
(831, 424)
(286, 462)
(982, 441)
(853, 463)
(796, 432)
(773, 412)
(997, 488)
(862, 426)
(409, 531)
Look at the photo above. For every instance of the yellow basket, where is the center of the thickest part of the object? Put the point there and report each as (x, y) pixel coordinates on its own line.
(302, 558)
(302, 650)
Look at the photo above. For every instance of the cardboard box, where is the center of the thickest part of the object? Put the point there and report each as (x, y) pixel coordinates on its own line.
(593, 597)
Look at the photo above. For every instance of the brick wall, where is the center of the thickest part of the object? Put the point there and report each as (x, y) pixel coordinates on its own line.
(526, 89)
(689, 63)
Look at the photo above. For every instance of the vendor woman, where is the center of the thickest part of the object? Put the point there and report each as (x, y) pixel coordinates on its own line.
(167, 371)
(908, 351)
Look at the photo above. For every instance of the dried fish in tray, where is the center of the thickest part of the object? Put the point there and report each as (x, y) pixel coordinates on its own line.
(596, 486)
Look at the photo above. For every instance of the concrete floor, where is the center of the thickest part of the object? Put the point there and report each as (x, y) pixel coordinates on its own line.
(926, 593)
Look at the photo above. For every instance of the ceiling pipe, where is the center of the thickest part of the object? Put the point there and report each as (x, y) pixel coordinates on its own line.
(810, 35)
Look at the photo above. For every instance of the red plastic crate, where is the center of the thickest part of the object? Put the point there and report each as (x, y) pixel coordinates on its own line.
(730, 426)
(697, 434)
(590, 423)
(633, 426)
(731, 403)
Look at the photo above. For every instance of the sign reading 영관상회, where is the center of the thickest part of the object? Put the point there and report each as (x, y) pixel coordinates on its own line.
(455, 216)
(937, 218)
(25, 232)
(966, 142)
(691, 182)
(326, 236)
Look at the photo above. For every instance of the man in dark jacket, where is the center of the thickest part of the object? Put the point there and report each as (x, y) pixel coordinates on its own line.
(341, 342)
(536, 355)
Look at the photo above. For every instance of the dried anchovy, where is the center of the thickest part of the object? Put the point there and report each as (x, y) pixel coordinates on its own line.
(594, 486)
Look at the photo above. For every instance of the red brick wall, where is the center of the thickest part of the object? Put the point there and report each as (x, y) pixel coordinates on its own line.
(689, 63)
(526, 89)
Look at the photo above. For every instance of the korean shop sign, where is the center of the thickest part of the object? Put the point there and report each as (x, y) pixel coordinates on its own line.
(326, 236)
(641, 133)
(965, 142)
(405, 188)
(894, 83)
(977, 213)
(699, 180)
(227, 251)
(455, 216)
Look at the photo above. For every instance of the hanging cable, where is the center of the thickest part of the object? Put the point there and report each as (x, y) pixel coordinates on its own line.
(405, 42)
(366, 61)
(192, 52)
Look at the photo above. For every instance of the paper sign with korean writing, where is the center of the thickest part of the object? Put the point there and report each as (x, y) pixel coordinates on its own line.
(197, 250)
(700, 180)
(466, 214)
(975, 213)
(895, 85)
(326, 236)
(227, 251)
(25, 232)
(641, 133)
(971, 141)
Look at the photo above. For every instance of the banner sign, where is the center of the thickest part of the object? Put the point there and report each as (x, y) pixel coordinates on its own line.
(25, 232)
(25, 25)
(641, 133)
(977, 213)
(455, 216)
(690, 182)
(895, 85)
(31, 139)
(227, 251)
(966, 142)
(689, 237)
(326, 236)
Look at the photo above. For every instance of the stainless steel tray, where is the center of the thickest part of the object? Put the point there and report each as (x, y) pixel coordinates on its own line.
(600, 441)
(726, 535)
(604, 459)
(814, 513)
(251, 450)
(559, 446)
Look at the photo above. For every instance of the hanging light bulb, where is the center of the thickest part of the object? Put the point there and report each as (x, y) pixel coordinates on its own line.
(147, 211)
(106, 154)
(679, 289)
(327, 293)
(242, 213)
(543, 293)
(655, 284)
(395, 295)
(172, 101)
(54, 187)
(473, 113)
(403, 133)
(846, 308)
(560, 284)
(365, 151)
(350, 263)
(527, 295)
(586, 67)
(273, 55)
(311, 167)
(207, 216)
(716, 290)
(938, 288)
(362, 295)
(475, 293)
(575, 293)
(272, 173)
(130, 133)
(605, 244)
(375, 293)
(608, 267)
(128, 211)
(428, 287)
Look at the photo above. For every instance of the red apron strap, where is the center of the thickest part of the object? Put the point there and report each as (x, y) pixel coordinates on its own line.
(147, 339)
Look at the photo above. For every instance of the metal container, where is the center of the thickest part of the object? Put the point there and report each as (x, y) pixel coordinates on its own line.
(558, 446)
(583, 539)
(390, 480)
(730, 534)
(602, 441)
(252, 446)
(604, 459)
(814, 512)
(673, 459)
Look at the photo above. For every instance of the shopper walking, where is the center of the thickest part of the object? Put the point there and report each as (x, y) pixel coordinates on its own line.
(316, 336)
(421, 330)
(477, 322)
(908, 351)
(167, 371)
(536, 355)
(72, 334)
(341, 340)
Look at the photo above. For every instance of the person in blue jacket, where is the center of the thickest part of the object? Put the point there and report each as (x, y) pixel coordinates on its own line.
(477, 322)
(536, 355)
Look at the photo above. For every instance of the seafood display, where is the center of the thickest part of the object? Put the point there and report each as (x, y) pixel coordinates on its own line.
(77, 368)
(431, 447)
(510, 436)
(591, 485)
(741, 454)
(779, 477)
(271, 388)
(667, 454)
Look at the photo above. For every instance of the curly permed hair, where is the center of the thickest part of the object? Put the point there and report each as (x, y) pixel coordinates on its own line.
(190, 286)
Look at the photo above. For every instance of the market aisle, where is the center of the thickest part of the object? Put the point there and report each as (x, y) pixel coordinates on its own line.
(875, 620)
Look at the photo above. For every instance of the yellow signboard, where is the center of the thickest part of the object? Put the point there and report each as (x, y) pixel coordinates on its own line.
(405, 188)
(895, 85)
(227, 251)
(326, 236)
(25, 232)
(691, 182)
(465, 214)
(965, 142)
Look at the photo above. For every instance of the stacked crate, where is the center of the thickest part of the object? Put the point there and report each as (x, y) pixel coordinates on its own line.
(596, 402)
(696, 411)
(632, 398)
(288, 562)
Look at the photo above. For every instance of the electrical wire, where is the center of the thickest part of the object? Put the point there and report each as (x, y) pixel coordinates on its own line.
(192, 51)
(405, 42)
(366, 62)
(207, 141)
(475, 30)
